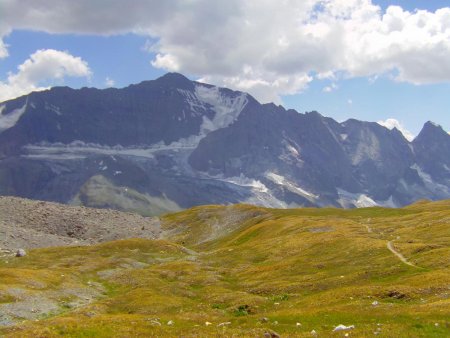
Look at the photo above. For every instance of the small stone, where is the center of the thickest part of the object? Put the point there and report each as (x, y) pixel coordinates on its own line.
(436, 324)
(264, 320)
(170, 322)
(275, 322)
(298, 324)
(21, 253)
(208, 323)
(225, 323)
(155, 322)
(271, 334)
(375, 303)
(314, 333)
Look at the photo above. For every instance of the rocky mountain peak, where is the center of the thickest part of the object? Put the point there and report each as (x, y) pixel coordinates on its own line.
(171, 143)
(432, 131)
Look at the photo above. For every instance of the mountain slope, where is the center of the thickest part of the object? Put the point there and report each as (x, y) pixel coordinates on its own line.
(252, 270)
(171, 143)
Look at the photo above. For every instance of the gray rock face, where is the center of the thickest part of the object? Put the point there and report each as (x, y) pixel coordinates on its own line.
(172, 143)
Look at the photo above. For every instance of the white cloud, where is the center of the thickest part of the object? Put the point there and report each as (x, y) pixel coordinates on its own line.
(265, 87)
(393, 123)
(3, 50)
(43, 65)
(269, 48)
(109, 82)
(3, 32)
(330, 88)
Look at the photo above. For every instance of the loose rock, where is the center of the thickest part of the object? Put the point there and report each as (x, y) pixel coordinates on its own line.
(21, 253)
(341, 327)
(271, 334)
(225, 323)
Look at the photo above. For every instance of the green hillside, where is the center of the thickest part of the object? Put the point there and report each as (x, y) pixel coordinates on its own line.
(243, 271)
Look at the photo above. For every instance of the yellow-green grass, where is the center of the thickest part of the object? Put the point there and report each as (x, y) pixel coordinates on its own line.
(240, 264)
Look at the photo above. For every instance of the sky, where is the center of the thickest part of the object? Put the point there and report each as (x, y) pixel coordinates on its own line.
(386, 61)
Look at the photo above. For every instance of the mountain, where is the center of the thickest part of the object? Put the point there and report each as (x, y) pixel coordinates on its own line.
(225, 271)
(171, 143)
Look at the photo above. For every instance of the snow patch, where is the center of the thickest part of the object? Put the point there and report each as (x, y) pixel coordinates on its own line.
(344, 136)
(266, 199)
(393, 123)
(80, 150)
(261, 195)
(292, 150)
(389, 203)
(434, 124)
(240, 180)
(422, 174)
(348, 199)
(190, 142)
(365, 201)
(429, 182)
(280, 180)
(227, 108)
(194, 104)
(244, 181)
(9, 120)
(53, 108)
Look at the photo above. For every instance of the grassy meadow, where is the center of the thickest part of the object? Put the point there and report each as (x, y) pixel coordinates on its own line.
(243, 271)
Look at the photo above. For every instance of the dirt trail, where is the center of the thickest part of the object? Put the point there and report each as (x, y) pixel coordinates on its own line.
(391, 248)
(367, 226)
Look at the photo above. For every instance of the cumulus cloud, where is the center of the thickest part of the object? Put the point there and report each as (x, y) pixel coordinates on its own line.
(332, 87)
(269, 48)
(393, 123)
(42, 66)
(109, 82)
(3, 50)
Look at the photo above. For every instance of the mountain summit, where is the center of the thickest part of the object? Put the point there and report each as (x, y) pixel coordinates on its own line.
(172, 143)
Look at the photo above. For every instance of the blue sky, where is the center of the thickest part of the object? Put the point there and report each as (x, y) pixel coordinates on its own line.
(225, 45)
